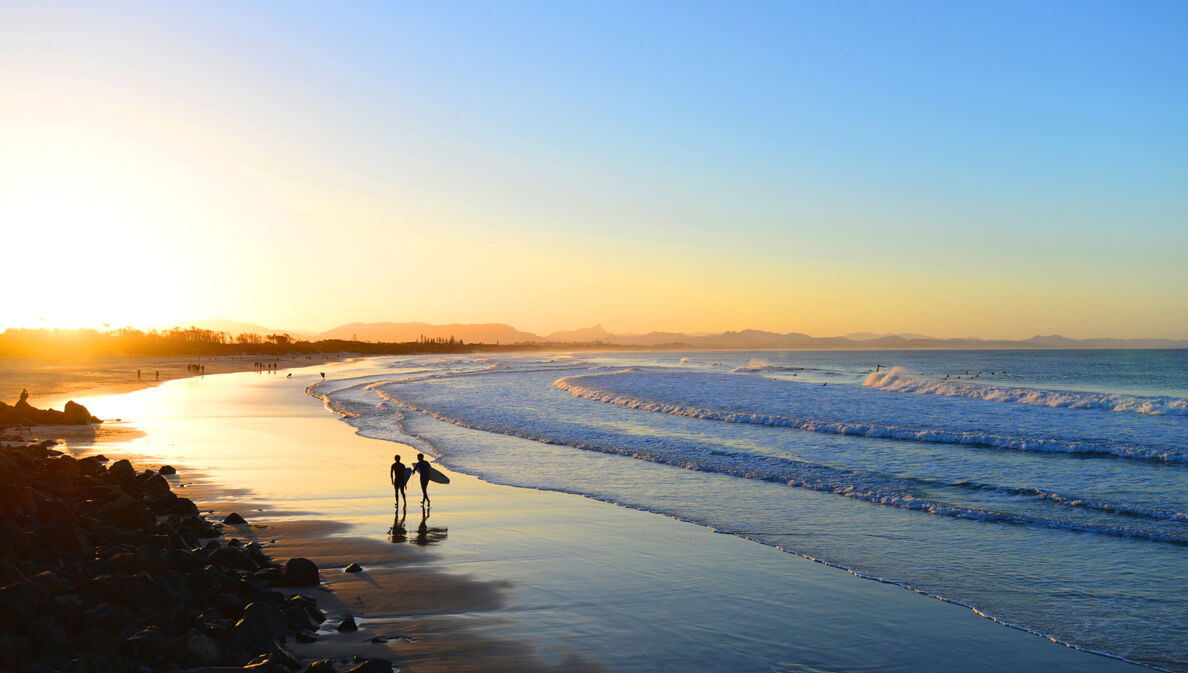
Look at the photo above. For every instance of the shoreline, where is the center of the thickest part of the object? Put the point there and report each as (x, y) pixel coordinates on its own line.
(554, 529)
(52, 382)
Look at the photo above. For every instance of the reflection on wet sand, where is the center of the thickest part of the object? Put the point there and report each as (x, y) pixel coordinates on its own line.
(425, 535)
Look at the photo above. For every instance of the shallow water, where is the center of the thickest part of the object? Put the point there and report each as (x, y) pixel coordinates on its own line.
(1048, 490)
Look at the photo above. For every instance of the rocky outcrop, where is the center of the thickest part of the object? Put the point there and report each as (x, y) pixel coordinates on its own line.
(107, 570)
(23, 413)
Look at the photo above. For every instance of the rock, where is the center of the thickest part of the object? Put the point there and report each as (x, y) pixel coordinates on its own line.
(203, 648)
(298, 619)
(122, 469)
(167, 470)
(148, 643)
(107, 615)
(260, 625)
(320, 666)
(306, 637)
(156, 485)
(354, 568)
(372, 666)
(277, 661)
(18, 602)
(90, 465)
(300, 572)
(234, 519)
(66, 538)
(49, 582)
(183, 507)
(234, 558)
(76, 414)
(348, 624)
(97, 640)
(126, 513)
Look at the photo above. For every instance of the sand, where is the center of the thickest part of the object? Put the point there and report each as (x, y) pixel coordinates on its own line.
(505, 579)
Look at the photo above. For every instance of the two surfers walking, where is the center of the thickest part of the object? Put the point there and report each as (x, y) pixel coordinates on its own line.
(400, 474)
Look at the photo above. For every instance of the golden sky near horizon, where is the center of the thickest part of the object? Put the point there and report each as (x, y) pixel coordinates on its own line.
(303, 168)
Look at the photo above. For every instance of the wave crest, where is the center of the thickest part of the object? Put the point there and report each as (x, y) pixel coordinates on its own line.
(897, 380)
(931, 435)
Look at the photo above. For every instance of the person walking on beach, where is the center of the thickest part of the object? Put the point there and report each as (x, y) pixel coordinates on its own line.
(422, 466)
(399, 479)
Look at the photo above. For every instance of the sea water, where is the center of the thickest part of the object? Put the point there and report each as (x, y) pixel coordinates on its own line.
(1048, 490)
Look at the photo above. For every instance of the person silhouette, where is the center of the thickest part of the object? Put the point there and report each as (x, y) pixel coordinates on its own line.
(422, 466)
(399, 479)
(323, 375)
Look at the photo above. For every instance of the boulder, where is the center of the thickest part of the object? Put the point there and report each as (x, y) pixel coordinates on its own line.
(49, 582)
(76, 414)
(372, 666)
(97, 640)
(300, 572)
(203, 648)
(234, 519)
(91, 465)
(354, 568)
(156, 485)
(348, 625)
(167, 470)
(299, 619)
(126, 513)
(260, 625)
(122, 469)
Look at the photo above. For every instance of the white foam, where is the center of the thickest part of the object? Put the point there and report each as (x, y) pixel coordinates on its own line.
(897, 380)
(934, 435)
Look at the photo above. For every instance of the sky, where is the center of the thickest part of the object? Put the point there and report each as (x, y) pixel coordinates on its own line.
(991, 169)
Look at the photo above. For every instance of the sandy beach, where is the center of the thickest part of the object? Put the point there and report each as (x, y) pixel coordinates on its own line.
(51, 382)
(497, 578)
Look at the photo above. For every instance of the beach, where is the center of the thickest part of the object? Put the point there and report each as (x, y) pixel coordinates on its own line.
(51, 382)
(503, 578)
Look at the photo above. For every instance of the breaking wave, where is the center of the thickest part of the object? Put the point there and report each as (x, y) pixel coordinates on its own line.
(932, 435)
(758, 365)
(897, 380)
(856, 484)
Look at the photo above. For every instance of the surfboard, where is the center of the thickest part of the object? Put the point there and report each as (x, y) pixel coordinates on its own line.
(407, 473)
(436, 476)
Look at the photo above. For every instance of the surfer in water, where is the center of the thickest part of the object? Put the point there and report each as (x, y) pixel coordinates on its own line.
(399, 479)
(422, 466)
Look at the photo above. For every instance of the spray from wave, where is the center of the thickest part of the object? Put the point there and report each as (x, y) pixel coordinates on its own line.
(757, 365)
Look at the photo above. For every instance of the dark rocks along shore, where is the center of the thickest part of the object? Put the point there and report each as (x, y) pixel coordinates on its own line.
(103, 569)
(23, 413)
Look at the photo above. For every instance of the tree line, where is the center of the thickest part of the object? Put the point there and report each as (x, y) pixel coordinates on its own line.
(183, 342)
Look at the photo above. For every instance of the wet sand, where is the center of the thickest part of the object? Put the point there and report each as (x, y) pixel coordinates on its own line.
(506, 579)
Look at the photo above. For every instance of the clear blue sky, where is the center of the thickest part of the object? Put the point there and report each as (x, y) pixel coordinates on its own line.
(957, 168)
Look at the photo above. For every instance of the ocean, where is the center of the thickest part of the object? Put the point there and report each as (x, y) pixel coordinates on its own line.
(1046, 490)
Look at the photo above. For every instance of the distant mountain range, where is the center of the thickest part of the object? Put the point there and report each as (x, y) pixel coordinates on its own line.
(745, 339)
(500, 333)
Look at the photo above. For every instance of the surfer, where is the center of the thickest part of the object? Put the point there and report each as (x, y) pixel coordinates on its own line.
(422, 466)
(399, 476)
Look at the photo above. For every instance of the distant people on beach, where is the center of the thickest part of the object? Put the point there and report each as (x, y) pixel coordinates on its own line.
(323, 375)
(399, 478)
(422, 467)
